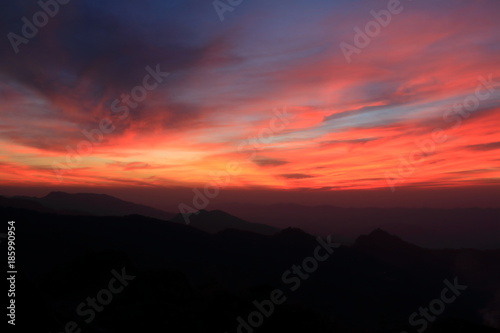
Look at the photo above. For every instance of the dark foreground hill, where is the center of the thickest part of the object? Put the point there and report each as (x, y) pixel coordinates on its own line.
(139, 274)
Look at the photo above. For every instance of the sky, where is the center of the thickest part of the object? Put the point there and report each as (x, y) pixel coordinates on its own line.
(317, 96)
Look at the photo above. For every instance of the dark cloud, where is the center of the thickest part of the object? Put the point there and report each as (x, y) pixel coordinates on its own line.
(485, 146)
(354, 141)
(295, 176)
(91, 52)
(472, 172)
(269, 162)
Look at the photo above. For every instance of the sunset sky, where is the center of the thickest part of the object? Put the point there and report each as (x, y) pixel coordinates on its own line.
(265, 98)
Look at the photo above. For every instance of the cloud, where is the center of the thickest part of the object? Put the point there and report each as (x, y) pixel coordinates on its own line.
(269, 162)
(353, 141)
(348, 124)
(133, 166)
(474, 171)
(485, 146)
(91, 53)
(295, 176)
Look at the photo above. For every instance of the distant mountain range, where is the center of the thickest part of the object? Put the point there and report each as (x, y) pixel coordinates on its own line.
(428, 227)
(105, 205)
(84, 204)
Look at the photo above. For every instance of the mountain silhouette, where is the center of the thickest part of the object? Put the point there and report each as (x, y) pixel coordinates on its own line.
(190, 280)
(426, 227)
(105, 205)
(216, 221)
(86, 204)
